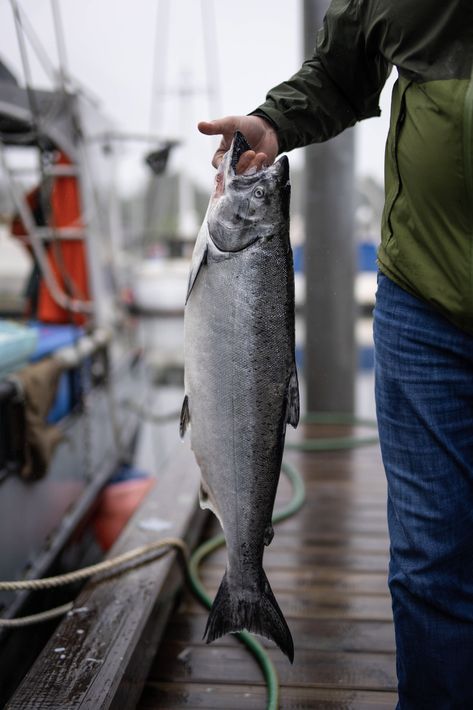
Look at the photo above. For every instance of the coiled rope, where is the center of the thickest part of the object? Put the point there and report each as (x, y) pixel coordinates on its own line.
(152, 550)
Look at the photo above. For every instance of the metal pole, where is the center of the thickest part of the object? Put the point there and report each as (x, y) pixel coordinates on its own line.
(329, 259)
(61, 45)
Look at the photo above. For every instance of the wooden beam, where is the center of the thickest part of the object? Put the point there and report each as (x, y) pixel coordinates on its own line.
(100, 654)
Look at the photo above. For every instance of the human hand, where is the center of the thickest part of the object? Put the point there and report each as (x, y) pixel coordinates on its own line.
(259, 133)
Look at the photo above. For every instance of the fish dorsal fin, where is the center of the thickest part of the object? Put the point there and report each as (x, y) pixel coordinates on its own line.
(199, 257)
(185, 417)
(293, 406)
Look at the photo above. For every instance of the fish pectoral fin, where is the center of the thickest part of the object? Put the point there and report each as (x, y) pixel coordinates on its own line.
(185, 417)
(293, 406)
(198, 261)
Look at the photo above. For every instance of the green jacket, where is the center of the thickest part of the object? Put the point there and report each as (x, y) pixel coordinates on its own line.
(427, 229)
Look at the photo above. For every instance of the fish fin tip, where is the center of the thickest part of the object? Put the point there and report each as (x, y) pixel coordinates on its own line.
(231, 614)
(207, 502)
(268, 534)
(195, 271)
(184, 419)
(293, 402)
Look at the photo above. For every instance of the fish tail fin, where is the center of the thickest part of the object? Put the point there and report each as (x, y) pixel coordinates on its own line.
(230, 614)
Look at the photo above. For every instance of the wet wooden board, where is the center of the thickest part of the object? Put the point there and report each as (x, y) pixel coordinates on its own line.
(328, 569)
(100, 653)
(168, 696)
(324, 605)
(317, 634)
(342, 559)
(181, 662)
(335, 580)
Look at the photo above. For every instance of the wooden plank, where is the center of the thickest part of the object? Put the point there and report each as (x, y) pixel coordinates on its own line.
(349, 525)
(351, 561)
(316, 537)
(214, 696)
(181, 662)
(322, 604)
(305, 579)
(92, 657)
(316, 634)
(374, 545)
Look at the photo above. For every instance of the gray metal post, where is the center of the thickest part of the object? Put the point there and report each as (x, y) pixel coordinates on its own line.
(329, 259)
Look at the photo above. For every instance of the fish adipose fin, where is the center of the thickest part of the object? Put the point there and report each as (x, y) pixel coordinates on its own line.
(230, 614)
(293, 407)
(185, 417)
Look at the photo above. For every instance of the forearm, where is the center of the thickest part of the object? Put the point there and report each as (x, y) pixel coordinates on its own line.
(336, 87)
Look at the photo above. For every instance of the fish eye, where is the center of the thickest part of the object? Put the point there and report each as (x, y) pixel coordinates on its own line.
(259, 192)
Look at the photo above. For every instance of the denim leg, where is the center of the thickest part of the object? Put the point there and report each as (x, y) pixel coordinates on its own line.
(424, 400)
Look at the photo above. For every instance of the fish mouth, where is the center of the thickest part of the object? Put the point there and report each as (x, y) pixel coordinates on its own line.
(239, 146)
(282, 166)
(227, 169)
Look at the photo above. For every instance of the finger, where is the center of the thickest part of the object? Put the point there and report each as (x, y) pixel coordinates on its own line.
(252, 161)
(218, 157)
(206, 127)
(260, 161)
(245, 161)
(212, 128)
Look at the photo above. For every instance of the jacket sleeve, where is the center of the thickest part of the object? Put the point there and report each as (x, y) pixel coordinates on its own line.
(336, 87)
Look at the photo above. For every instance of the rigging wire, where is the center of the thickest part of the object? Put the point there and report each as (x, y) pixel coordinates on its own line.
(211, 51)
(161, 43)
(61, 44)
(35, 115)
(37, 46)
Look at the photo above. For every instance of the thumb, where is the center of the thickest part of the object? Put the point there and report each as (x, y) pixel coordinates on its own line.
(208, 127)
(212, 128)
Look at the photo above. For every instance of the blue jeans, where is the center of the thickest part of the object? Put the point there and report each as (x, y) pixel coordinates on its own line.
(424, 400)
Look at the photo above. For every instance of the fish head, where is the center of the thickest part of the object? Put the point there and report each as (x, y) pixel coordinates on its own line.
(250, 206)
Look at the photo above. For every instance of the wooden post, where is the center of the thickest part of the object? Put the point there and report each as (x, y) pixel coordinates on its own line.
(329, 258)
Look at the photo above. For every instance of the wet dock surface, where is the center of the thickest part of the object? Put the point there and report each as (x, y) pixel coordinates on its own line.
(327, 566)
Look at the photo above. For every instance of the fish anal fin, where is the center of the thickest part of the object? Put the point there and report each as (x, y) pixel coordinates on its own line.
(185, 417)
(293, 406)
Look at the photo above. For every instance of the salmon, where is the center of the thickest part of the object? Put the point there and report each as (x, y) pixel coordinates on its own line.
(241, 386)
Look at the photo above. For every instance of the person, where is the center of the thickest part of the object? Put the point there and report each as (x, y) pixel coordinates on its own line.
(423, 317)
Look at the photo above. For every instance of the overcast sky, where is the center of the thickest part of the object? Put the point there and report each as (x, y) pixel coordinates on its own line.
(119, 50)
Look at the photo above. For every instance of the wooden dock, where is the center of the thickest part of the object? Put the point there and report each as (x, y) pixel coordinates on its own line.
(327, 567)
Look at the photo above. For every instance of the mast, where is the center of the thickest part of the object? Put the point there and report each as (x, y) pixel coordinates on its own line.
(186, 91)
